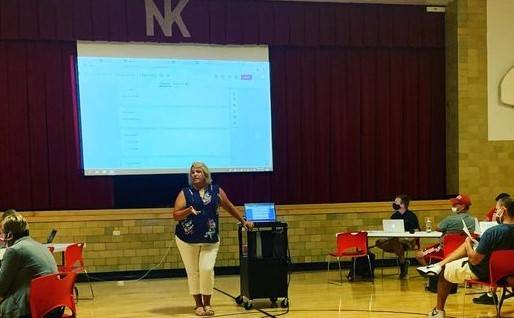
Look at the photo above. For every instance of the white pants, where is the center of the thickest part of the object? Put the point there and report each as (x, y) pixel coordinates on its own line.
(199, 259)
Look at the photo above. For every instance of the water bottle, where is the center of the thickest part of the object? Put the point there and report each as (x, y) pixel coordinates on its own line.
(428, 225)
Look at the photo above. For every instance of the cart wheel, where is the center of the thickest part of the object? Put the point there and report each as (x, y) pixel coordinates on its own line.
(239, 300)
(284, 303)
(248, 305)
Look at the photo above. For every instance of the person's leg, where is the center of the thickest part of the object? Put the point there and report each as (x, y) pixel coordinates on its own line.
(392, 245)
(385, 244)
(420, 257)
(190, 254)
(436, 268)
(460, 252)
(443, 290)
(454, 272)
(208, 255)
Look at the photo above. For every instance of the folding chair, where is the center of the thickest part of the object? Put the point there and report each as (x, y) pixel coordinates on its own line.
(52, 292)
(350, 244)
(501, 265)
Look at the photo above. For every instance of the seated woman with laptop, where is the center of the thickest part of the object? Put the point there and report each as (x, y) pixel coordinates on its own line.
(398, 246)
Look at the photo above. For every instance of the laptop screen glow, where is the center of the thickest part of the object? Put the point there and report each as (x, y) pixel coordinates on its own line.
(394, 226)
(484, 226)
(260, 212)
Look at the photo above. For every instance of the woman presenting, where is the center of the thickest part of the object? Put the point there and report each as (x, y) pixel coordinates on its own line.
(196, 233)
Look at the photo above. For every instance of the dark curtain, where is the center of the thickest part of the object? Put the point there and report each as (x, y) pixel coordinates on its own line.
(40, 162)
(352, 124)
(357, 100)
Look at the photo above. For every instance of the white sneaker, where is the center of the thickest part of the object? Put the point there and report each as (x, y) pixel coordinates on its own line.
(436, 314)
(430, 270)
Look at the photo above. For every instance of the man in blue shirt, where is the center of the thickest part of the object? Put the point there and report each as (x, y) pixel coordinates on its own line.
(467, 263)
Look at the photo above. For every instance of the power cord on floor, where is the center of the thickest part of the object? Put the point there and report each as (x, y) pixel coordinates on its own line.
(144, 275)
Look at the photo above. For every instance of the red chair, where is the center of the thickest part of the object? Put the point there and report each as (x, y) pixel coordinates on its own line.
(451, 241)
(501, 266)
(51, 292)
(74, 262)
(350, 244)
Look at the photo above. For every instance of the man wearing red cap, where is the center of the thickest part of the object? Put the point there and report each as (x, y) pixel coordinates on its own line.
(469, 262)
(450, 224)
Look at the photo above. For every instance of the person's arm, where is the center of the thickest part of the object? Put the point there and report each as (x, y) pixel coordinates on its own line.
(474, 257)
(491, 215)
(418, 228)
(180, 211)
(10, 264)
(442, 226)
(230, 208)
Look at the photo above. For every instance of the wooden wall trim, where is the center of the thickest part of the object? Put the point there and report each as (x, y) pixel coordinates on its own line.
(282, 210)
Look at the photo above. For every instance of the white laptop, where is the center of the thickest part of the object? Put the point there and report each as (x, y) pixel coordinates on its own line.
(394, 226)
(484, 225)
(260, 212)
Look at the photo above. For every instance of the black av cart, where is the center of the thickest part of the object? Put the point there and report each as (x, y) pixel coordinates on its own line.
(264, 259)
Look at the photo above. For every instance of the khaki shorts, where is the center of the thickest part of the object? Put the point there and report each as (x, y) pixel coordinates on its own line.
(458, 271)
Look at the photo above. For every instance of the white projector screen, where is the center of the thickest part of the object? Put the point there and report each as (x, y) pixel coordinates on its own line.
(154, 109)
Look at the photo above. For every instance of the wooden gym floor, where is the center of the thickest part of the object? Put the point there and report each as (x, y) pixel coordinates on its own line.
(310, 294)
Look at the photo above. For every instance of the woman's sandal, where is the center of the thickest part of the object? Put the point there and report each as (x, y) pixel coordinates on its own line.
(200, 311)
(208, 310)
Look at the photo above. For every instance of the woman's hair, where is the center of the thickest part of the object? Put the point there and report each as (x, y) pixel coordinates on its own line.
(206, 172)
(15, 224)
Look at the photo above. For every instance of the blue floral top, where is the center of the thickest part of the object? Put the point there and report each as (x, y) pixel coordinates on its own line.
(201, 228)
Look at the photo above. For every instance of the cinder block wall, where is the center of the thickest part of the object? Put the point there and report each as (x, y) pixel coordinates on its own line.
(146, 234)
(485, 167)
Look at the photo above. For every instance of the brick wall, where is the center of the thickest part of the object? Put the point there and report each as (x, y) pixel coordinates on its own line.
(146, 234)
(485, 168)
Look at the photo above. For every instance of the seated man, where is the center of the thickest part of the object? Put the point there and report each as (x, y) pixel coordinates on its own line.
(457, 267)
(399, 246)
(450, 224)
(490, 298)
(24, 259)
(491, 214)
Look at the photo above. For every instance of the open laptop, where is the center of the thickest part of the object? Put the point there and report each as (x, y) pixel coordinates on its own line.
(393, 226)
(51, 236)
(484, 225)
(260, 212)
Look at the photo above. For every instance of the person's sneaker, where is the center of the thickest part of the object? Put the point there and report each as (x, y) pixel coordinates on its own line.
(404, 269)
(485, 299)
(436, 314)
(429, 270)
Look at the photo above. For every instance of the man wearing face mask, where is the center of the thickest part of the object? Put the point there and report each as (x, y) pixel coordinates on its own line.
(450, 224)
(491, 214)
(23, 260)
(495, 214)
(399, 246)
(467, 262)
(460, 209)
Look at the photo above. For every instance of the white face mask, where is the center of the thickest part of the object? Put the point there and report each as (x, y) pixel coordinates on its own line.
(454, 209)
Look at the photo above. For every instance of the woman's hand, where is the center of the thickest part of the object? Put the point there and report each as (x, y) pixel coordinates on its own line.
(248, 225)
(191, 210)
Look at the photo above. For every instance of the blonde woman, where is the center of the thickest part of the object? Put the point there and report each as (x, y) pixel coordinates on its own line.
(196, 233)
